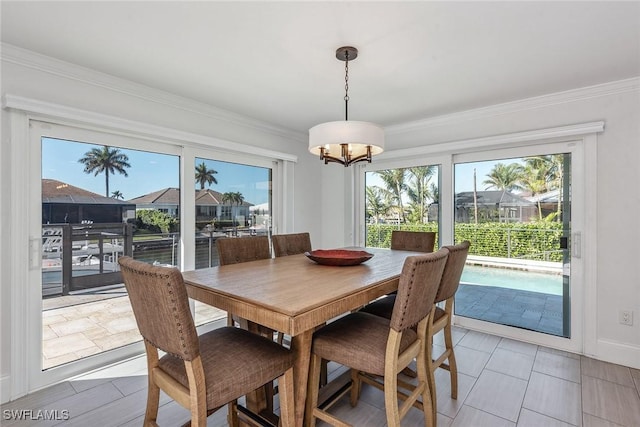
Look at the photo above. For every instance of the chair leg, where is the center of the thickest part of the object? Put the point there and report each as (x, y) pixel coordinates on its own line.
(391, 400)
(430, 368)
(287, 400)
(453, 368)
(425, 376)
(153, 392)
(153, 403)
(356, 387)
(232, 416)
(324, 374)
(312, 390)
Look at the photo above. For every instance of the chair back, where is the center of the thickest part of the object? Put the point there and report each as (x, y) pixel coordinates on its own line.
(453, 270)
(419, 281)
(418, 241)
(161, 307)
(291, 244)
(234, 250)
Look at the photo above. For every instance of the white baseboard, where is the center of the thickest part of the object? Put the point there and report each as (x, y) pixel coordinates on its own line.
(5, 388)
(618, 353)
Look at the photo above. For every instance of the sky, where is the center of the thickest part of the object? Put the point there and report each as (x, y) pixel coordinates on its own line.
(149, 172)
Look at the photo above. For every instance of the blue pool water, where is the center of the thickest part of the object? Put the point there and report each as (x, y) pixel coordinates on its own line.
(514, 279)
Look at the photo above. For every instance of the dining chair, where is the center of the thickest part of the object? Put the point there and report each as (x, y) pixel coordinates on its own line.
(201, 373)
(441, 319)
(370, 344)
(418, 241)
(443, 316)
(291, 244)
(234, 250)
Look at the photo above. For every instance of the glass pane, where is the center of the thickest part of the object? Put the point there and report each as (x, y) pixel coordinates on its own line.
(232, 200)
(99, 203)
(515, 212)
(400, 199)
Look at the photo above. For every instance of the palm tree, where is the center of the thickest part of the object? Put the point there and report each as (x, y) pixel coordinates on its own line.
(533, 181)
(117, 195)
(376, 205)
(419, 192)
(504, 177)
(233, 197)
(394, 180)
(107, 160)
(551, 170)
(205, 175)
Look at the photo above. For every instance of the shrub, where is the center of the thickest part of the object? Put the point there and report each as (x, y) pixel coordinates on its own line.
(535, 240)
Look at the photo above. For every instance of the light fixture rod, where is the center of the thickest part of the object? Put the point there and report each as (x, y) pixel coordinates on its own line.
(346, 142)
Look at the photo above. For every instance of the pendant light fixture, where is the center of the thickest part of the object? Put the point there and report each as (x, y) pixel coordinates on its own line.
(346, 142)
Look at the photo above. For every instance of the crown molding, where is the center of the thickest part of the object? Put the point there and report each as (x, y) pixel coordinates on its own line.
(497, 140)
(41, 109)
(46, 64)
(605, 89)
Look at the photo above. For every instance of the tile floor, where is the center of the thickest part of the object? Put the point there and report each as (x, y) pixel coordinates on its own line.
(502, 382)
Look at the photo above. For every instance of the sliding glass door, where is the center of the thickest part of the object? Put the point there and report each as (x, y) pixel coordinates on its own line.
(516, 212)
(231, 200)
(522, 209)
(101, 197)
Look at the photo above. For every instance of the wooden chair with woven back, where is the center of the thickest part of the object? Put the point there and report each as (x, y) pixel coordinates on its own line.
(418, 241)
(370, 344)
(235, 250)
(291, 244)
(441, 319)
(201, 373)
(443, 316)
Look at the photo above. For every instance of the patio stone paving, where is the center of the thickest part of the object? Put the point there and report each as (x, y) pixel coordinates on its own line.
(523, 309)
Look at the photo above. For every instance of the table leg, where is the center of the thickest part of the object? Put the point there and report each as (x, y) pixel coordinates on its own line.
(301, 347)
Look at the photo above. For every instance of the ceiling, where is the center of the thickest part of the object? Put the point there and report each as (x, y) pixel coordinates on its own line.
(275, 61)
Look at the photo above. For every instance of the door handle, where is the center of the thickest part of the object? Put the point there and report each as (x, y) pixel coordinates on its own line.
(576, 244)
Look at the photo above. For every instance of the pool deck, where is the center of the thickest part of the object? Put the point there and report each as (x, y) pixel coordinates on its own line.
(512, 307)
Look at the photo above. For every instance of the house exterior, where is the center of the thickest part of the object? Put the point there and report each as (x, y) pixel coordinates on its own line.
(64, 203)
(209, 206)
(494, 206)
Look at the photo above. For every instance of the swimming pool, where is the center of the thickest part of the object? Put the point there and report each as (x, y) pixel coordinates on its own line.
(546, 283)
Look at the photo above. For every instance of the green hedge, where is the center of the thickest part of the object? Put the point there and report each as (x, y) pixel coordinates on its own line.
(536, 241)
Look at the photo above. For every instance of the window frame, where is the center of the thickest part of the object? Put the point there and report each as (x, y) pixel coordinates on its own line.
(42, 119)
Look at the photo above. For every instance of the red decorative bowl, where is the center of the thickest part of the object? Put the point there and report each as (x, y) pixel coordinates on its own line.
(339, 257)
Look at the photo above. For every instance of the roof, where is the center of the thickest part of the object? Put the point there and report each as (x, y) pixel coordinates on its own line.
(491, 198)
(171, 196)
(549, 197)
(54, 191)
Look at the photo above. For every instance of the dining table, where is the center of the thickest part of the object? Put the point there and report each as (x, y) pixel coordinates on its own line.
(295, 295)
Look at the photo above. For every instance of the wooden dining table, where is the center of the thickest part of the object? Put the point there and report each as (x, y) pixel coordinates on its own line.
(294, 295)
